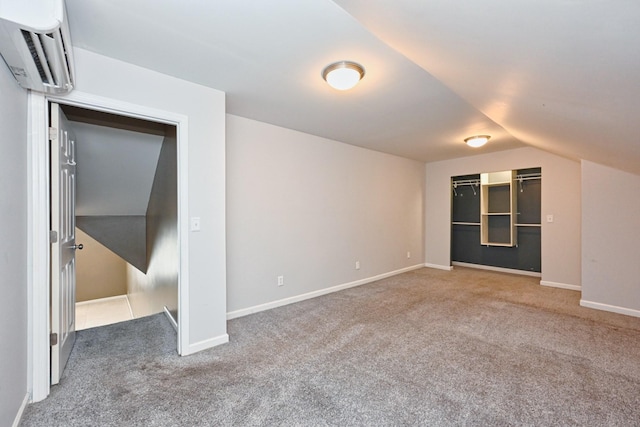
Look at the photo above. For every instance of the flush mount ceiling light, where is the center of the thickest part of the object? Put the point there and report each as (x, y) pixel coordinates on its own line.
(477, 141)
(343, 75)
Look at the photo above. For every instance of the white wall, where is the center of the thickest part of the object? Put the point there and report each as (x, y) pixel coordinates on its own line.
(307, 208)
(560, 197)
(610, 236)
(205, 108)
(100, 273)
(13, 248)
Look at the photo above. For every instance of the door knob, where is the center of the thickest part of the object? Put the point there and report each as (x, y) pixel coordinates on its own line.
(79, 247)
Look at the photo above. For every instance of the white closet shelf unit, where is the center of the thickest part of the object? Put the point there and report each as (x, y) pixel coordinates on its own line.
(498, 209)
(475, 184)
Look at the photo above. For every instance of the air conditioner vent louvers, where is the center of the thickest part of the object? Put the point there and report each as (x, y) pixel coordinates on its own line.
(28, 38)
(46, 56)
(67, 57)
(36, 46)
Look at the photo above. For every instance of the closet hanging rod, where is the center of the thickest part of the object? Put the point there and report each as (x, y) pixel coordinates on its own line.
(528, 176)
(467, 182)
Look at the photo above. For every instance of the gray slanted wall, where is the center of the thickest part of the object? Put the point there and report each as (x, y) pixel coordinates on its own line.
(124, 235)
(160, 286)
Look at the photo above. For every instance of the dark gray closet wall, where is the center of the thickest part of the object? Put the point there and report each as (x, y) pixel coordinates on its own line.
(465, 224)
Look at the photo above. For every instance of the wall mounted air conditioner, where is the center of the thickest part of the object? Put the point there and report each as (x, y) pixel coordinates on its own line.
(36, 45)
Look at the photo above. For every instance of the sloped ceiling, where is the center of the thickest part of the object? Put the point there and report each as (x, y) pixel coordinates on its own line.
(559, 75)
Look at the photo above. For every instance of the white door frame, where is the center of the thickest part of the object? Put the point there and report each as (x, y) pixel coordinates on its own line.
(38, 246)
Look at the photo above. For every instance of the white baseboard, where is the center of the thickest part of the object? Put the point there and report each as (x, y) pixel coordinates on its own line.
(18, 418)
(611, 308)
(105, 299)
(206, 344)
(170, 317)
(498, 269)
(438, 266)
(309, 295)
(130, 308)
(561, 285)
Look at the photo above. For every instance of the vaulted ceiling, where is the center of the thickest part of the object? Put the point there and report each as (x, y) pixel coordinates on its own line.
(558, 75)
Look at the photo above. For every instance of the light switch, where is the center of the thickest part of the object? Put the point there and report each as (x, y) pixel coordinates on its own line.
(549, 218)
(195, 223)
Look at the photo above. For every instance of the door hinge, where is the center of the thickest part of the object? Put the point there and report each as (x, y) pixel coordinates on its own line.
(53, 133)
(53, 236)
(53, 339)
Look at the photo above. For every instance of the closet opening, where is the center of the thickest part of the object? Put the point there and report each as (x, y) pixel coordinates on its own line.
(113, 184)
(496, 220)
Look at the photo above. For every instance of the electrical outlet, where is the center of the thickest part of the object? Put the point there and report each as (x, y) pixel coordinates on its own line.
(357, 265)
(408, 254)
(280, 280)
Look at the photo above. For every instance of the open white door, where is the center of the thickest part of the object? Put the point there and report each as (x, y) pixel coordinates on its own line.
(63, 246)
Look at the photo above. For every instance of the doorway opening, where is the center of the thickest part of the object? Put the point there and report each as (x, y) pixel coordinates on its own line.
(126, 217)
(40, 235)
(113, 183)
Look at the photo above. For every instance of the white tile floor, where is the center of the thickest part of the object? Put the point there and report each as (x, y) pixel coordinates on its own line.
(100, 312)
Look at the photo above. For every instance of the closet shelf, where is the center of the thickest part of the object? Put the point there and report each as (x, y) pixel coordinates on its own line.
(498, 207)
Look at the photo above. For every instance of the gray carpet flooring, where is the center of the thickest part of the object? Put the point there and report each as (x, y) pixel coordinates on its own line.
(427, 347)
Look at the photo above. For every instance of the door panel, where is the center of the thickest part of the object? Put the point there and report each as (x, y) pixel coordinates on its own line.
(63, 264)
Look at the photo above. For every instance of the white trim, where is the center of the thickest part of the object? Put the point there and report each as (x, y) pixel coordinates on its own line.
(38, 247)
(38, 211)
(170, 317)
(438, 266)
(498, 269)
(206, 344)
(122, 108)
(105, 299)
(611, 308)
(18, 418)
(561, 285)
(309, 295)
(182, 136)
(129, 305)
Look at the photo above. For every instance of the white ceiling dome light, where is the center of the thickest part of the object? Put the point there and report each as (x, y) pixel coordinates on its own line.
(477, 141)
(343, 75)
